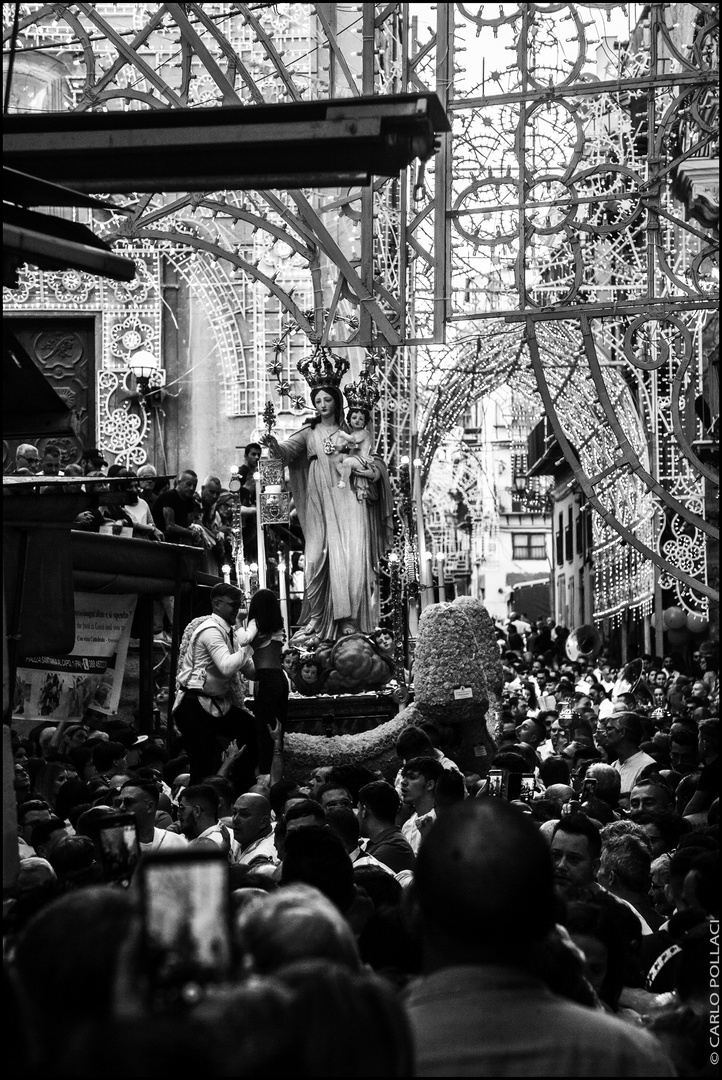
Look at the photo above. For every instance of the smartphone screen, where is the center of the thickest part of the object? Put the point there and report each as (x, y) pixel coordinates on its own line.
(497, 787)
(187, 938)
(589, 788)
(528, 787)
(119, 847)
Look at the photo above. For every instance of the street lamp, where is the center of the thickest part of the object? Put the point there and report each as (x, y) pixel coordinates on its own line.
(144, 365)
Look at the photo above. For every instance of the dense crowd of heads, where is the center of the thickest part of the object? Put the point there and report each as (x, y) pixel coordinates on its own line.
(582, 848)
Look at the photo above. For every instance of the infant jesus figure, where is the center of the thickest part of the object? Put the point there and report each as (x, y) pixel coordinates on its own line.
(355, 449)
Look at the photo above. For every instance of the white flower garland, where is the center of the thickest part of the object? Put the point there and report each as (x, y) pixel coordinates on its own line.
(375, 749)
(455, 649)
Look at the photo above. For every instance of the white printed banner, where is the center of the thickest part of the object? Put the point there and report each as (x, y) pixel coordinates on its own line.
(91, 676)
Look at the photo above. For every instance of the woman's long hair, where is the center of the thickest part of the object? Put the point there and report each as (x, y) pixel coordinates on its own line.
(337, 396)
(533, 700)
(46, 779)
(266, 610)
(295, 556)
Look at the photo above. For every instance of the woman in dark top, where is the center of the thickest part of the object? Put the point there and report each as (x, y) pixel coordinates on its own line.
(266, 636)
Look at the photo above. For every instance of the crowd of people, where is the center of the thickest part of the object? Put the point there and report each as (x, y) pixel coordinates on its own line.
(426, 922)
(150, 506)
(171, 508)
(551, 912)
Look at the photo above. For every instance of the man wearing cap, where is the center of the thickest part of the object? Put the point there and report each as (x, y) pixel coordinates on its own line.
(209, 700)
(93, 461)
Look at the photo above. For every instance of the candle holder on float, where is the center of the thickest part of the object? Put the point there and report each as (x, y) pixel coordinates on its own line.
(275, 505)
(273, 502)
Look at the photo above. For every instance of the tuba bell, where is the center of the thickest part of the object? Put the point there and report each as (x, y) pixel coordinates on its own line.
(631, 684)
(585, 643)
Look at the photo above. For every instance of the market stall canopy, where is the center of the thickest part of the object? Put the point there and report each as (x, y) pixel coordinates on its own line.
(296, 144)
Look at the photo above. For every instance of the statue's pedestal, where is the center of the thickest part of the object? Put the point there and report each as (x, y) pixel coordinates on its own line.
(351, 713)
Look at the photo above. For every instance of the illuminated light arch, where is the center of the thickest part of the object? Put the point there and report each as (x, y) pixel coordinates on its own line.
(608, 237)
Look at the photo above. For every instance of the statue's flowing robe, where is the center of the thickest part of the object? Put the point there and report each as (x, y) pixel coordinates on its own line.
(345, 538)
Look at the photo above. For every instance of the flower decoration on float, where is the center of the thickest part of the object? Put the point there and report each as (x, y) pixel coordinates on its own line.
(269, 416)
(378, 745)
(283, 386)
(483, 628)
(445, 631)
(409, 555)
(396, 596)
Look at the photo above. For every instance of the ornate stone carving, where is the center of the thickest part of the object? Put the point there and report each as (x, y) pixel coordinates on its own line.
(130, 318)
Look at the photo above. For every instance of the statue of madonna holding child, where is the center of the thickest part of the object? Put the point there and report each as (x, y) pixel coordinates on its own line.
(343, 498)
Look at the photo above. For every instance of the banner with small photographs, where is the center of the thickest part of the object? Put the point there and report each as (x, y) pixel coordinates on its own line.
(91, 676)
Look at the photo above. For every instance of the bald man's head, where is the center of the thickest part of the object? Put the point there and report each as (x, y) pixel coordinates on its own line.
(484, 883)
(260, 789)
(251, 818)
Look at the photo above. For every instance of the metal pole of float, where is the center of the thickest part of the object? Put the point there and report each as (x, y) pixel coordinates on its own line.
(441, 571)
(283, 595)
(260, 537)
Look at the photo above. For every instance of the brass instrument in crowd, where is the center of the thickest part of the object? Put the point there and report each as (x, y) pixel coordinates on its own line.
(584, 643)
(631, 686)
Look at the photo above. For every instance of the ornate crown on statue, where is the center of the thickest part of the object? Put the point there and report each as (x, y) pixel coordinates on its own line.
(323, 368)
(364, 393)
